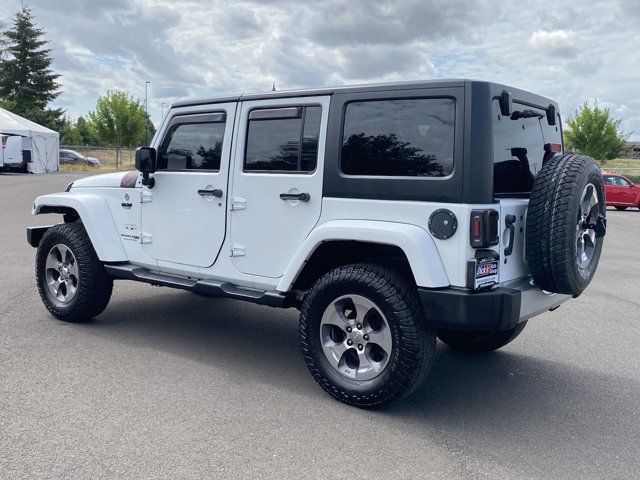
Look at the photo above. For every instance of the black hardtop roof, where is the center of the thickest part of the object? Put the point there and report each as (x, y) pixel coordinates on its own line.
(448, 82)
(377, 87)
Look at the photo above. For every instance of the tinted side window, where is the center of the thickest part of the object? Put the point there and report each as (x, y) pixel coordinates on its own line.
(623, 182)
(411, 137)
(193, 146)
(519, 147)
(283, 144)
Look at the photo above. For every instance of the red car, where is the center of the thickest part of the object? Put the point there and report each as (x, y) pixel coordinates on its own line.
(621, 192)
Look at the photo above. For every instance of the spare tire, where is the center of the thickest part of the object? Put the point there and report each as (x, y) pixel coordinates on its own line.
(566, 223)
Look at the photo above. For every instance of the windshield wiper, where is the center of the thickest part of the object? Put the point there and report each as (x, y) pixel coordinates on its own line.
(525, 114)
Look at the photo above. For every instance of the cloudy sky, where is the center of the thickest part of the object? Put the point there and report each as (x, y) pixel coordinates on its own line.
(568, 50)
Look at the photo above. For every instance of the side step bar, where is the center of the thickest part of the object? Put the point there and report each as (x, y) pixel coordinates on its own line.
(211, 288)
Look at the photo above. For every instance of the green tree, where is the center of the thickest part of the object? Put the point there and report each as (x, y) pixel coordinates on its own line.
(69, 134)
(151, 130)
(3, 40)
(84, 132)
(27, 83)
(594, 132)
(118, 120)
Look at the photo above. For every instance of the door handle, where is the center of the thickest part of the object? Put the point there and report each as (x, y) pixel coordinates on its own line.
(303, 197)
(210, 193)
(509, 221)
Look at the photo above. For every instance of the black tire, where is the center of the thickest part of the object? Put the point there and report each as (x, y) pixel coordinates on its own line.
(94, 285)
(553, 217)
(623, 208)
(413, 343)
(479, 342)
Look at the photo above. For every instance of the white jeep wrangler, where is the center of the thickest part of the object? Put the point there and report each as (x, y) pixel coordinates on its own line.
(388, 214)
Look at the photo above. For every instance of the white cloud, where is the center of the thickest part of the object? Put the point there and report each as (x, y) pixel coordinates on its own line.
(555, 42)
(567, 50)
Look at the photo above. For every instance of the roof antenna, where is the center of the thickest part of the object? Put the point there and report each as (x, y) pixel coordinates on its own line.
(273, 87)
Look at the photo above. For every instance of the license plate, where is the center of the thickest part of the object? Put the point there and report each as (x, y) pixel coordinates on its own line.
(486, 273)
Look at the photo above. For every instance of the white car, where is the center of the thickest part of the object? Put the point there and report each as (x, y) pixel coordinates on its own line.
(389, 215)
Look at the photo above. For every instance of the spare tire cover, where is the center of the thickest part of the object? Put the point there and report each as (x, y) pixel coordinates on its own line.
(566, 224)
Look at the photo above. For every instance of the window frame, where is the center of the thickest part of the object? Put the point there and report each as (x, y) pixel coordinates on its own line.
(300, 137)
(199, 118)
(449, 189)
(541, 126)
(400, 177)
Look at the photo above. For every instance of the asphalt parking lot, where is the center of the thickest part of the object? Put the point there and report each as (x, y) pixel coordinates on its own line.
(167, 384)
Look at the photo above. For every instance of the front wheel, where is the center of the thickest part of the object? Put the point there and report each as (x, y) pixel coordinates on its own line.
(364, 336)
(479, 342)
(620, 208)
(72, 281)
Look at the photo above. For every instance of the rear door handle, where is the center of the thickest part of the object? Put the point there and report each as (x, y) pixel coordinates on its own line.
(303, 197)
(210, 193)
(509, 221)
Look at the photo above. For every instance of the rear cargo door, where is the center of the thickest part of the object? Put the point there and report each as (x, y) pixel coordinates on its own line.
(519, 152)
(513, 214)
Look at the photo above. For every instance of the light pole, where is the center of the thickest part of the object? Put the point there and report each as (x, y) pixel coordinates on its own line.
(146, 113)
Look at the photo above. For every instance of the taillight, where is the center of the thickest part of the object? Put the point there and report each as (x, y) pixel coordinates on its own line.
(483, 231)
(553, 147)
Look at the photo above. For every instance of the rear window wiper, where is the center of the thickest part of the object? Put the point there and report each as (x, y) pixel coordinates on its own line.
(526, 114)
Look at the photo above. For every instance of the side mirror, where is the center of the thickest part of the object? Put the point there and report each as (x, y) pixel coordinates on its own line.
(146, 163)
(146, 159)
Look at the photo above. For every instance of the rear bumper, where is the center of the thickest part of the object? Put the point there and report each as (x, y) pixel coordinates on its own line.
(500, 308)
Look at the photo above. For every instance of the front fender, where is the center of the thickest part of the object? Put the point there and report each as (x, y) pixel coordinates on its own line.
(414, 241)
(96, 218)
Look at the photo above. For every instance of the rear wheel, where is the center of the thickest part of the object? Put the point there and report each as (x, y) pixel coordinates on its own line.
(479, 342)
(72, 281)
(623, 208)
(363, 335)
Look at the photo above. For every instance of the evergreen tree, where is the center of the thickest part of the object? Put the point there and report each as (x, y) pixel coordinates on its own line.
(3, 40)
(27, 83)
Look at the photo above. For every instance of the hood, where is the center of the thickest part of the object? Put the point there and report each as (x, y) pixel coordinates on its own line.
(105, 180)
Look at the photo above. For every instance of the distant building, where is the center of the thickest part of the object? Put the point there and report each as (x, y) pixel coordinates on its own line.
(632, 150)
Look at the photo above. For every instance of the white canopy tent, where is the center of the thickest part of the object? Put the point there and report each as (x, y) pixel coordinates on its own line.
(42, 142)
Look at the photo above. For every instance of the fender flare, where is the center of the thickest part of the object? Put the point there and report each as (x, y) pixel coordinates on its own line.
(96, 218)
(415, 242)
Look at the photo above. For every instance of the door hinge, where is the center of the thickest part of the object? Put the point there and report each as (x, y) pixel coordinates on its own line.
(237, 250)
(146, 196)
(238, 203)
(145, 237)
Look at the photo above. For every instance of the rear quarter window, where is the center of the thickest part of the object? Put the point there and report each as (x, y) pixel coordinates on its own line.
(399, 138)
(519, 147)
